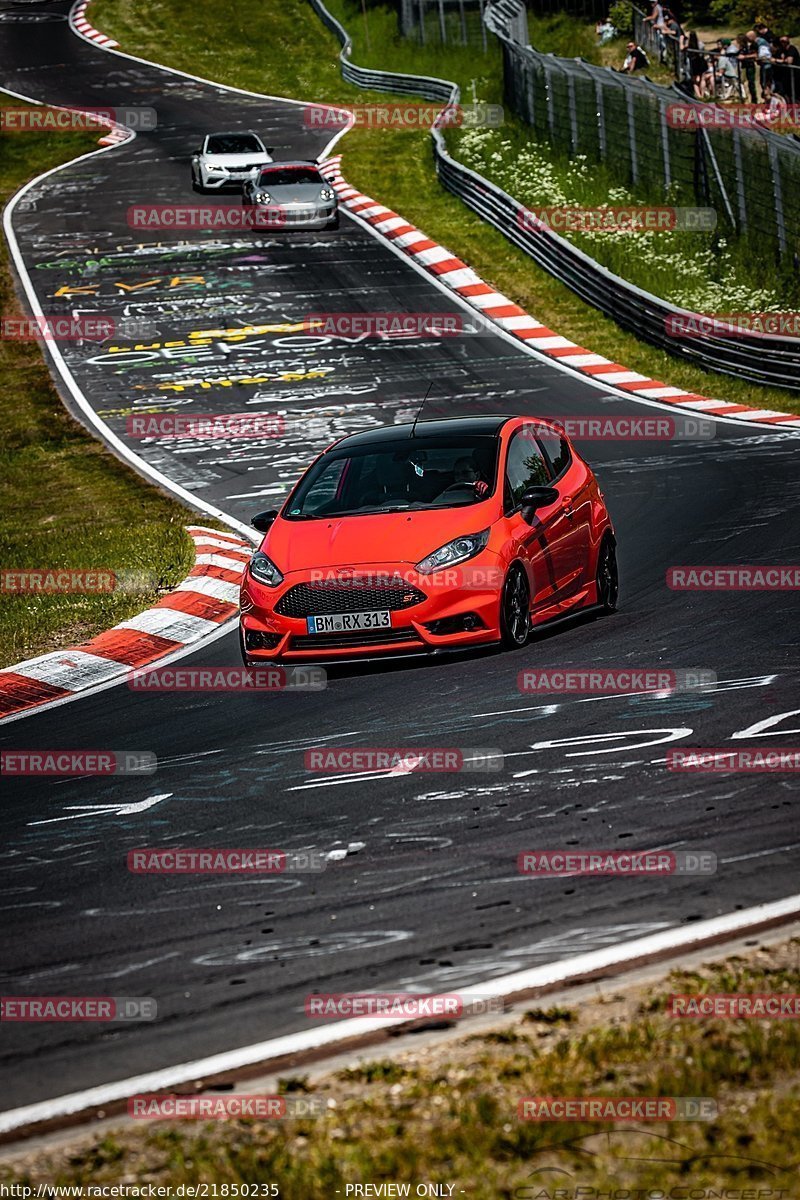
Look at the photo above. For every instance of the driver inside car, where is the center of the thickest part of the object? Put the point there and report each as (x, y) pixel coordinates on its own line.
(465, 471)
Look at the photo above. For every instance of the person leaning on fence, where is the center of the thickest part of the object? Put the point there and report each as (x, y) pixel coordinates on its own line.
(728, 70)
(786, 69)
(656, 18)
(700, 70)
(635, 59)
(673, 28)
(747, 59)
(763, 52)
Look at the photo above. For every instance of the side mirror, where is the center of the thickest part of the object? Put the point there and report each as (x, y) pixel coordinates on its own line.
(536, 497)
(270, 149)
(263, 521)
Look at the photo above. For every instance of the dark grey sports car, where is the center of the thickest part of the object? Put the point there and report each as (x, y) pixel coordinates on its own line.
(291, 194)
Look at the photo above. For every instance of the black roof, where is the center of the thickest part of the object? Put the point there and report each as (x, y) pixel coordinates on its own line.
(294, 163)
(231, 133)
(447, 427)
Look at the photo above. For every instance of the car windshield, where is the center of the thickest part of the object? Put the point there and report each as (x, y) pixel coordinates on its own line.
(278, 176)
(234, 143)
(396, 476)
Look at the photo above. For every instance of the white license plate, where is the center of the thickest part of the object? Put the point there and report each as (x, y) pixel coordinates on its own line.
(349, 622)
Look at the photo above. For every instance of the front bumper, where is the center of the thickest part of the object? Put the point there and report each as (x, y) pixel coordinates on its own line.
(218, 180)
(287, 216)
(451, 613)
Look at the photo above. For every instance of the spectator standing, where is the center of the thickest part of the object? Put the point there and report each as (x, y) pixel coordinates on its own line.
(779, 70)
(700, 70)
(672, 27)
(727, 64)
(747, 60)
(763, 52)
(673, 33)
(655, 19)
(788, 58)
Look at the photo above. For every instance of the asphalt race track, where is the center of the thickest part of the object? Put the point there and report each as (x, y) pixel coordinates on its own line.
(428, 897)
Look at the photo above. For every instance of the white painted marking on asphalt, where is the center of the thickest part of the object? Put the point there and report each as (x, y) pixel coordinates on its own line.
(132, 967)
(758, 729)
(760, 853)
(102, 810)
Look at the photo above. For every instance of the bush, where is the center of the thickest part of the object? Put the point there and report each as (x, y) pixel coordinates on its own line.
(781, 15)
(621, 16)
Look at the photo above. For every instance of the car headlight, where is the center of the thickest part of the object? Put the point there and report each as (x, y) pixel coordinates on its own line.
(457, 551)
(264, 570)
(263, 197)
(214, 166)
(326, 194)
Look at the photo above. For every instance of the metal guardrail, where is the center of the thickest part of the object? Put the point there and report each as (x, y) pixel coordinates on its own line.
(427, 86)
(764, 360)
(448, 22)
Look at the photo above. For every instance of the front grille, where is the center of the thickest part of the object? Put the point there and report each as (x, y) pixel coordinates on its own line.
(344, 641)
(362, 594)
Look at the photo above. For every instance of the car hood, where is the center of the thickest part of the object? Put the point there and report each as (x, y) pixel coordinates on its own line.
(292, 193)
(380, 538)
(256, 157)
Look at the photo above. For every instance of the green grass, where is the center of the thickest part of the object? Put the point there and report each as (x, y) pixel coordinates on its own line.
(449, 1113)
(289, 52)
(64, 500)
(702, 271)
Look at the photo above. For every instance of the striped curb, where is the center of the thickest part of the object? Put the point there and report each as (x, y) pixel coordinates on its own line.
(462, 280)
(201, 603)
(87, 31)
(79, 25)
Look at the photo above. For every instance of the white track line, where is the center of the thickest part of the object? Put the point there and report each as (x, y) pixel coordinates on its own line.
(106, 435)
(670, 940)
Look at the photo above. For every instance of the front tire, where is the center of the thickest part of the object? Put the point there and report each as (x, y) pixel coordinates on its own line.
(607, 577)
(515, 614)
(333, 223)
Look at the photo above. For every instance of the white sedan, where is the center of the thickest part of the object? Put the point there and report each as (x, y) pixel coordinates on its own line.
(228, 159)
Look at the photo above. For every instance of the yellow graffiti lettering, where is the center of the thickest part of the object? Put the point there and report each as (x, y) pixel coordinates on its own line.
(137, 287)
(287, 377)
(246, 331)
(67, 290)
